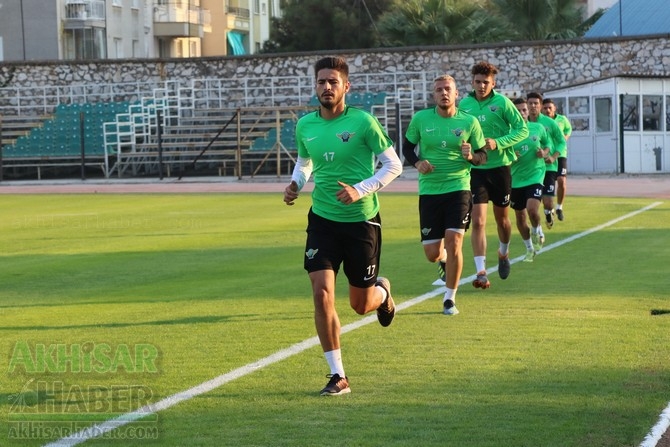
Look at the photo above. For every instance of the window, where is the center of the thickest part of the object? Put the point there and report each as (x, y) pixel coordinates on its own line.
(257, 6)
(667, 112)
(118, 48)
(603, 115)
(579, 111)
(631, 112)
(652, 106)
(561, 109)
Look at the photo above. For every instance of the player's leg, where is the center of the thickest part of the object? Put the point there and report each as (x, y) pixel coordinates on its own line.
(480, 198)
(548, 194)
(561, 185)
(367, 290)
(533, 200)
(457, 220)
(322, 265)
(431, 225)
(500, 197)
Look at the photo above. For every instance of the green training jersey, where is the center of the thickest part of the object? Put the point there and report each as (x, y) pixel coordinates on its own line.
(342, 149)
(501, 121)
(529, 169)
(439, 141)
(556, 139)
(565, 126)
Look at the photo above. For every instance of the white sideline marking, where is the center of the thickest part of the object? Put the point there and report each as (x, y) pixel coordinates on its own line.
(652, 438)
(97, 430)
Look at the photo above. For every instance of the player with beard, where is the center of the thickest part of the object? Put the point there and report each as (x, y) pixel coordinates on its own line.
(340, 145)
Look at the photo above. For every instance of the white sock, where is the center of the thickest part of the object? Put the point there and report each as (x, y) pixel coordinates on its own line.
(450, 294)
(547, 211)
(528, 244)
(443, 258)
(559, 206)
(503, 248)
(334, 359)
(480, 263)
(384, 293)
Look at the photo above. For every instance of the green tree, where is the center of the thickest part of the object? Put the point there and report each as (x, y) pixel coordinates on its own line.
(312, 25)
(543, 19)
(440, 22)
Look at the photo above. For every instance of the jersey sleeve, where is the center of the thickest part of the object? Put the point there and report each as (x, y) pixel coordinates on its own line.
(518, 129)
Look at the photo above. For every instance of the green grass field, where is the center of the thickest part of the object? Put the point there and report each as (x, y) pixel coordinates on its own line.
(110, 302)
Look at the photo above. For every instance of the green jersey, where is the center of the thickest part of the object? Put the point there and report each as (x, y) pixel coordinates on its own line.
(342, 149)
(529, 169)
(565, 126)
(439, 141)
(556, 139)
(501, 121)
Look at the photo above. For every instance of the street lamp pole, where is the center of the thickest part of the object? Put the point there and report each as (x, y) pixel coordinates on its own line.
(23, 32)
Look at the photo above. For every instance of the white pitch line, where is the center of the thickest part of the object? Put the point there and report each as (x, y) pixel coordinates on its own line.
(656, 433)
(97, 430)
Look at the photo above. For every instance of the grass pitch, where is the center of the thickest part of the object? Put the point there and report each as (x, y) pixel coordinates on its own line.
(109, 302)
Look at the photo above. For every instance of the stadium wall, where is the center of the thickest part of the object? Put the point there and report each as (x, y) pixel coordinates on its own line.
(524, 66)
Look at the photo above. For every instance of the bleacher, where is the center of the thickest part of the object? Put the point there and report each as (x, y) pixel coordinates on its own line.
(194, 128)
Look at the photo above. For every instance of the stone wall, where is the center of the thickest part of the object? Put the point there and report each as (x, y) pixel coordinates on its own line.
(524, 66)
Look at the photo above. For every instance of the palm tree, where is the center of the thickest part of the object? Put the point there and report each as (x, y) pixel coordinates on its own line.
(542, 19)
(439, 22)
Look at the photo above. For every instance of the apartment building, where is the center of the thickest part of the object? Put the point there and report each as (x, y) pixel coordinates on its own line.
(32, 30)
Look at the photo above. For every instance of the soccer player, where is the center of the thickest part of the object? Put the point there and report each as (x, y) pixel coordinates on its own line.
(549, 109)
(446, 138)
(557, 146)
(503, 127)
(340, 146)
(527, 179)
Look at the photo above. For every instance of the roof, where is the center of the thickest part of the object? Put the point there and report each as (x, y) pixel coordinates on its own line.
(638, 18)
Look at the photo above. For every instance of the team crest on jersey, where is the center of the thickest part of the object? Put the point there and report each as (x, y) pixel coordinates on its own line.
(457, 132)
(534, 138)
(493, 109)
(345, 136)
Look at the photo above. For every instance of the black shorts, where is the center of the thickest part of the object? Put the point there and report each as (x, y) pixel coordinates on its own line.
(549, 183)
(357, 245)
(493, 185)
(562, 166)
(439, 212)
(521, 195)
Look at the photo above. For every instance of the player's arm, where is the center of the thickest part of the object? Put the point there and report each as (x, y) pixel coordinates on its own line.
(518, 128)
(391, 168)
(301, 173)
(409, 151)
(476, 139)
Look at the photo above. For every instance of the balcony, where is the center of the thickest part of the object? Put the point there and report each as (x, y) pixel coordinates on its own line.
(84, 14)
(173, 20)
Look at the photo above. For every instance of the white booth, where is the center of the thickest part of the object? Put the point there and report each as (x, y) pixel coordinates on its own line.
(634, 110)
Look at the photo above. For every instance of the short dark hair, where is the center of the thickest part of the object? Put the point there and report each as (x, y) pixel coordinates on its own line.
(535, 95)
(333, 63)
(484, 68)
(519, 100)
(548, 101)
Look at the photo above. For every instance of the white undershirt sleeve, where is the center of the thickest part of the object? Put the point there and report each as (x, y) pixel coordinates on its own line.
(302, 171)
(391, 168)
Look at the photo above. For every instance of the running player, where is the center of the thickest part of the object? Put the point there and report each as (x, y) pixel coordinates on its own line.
(340, 145)
(557, 146)
(527, 179)
(549, 109)
(446, 138)
(503, 127)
